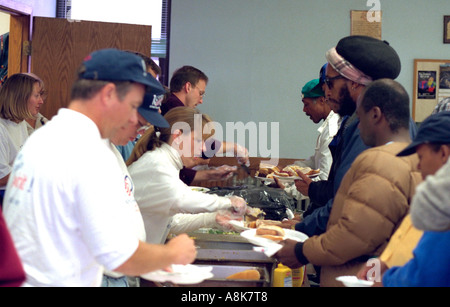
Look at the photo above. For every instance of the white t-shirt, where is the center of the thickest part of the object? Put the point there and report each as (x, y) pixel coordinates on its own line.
(161, 194)
(133, 212)
(12, 137)
(65, 203)
(322, 158)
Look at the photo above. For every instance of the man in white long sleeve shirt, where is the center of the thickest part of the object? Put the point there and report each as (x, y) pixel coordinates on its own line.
(316, 107)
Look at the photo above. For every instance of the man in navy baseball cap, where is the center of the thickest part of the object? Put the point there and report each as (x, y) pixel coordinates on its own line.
(434, 130)
(117, 65)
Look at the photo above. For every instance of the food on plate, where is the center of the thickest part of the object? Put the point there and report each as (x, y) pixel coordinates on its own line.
(271, 232)
(247, 274)
(252, 215)
(267, 222)
(291, 170)
(266, 169)
(269, 171)
(260, 222)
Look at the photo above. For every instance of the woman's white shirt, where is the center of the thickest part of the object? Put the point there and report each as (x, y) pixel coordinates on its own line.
(161, 194)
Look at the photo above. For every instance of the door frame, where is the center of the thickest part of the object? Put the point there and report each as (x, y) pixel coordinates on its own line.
(20, 30)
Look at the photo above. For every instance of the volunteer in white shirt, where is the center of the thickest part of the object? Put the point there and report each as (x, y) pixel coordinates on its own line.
(154, 166)
(63, 204)
(20, 99)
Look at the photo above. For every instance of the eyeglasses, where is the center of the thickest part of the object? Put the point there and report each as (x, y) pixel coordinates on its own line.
(202, 93)
(329, 81)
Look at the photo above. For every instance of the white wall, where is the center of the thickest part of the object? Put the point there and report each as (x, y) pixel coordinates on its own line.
(42, 8)
(259, 53)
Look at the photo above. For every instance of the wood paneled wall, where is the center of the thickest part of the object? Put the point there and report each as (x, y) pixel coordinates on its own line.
(59, 47)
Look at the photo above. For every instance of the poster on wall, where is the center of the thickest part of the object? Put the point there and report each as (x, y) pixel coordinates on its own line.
(426, 87)
(431, 85)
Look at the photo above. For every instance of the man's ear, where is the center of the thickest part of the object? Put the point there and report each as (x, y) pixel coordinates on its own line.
(376, 114)
(187, 87)
(107, 93)
(445, 153)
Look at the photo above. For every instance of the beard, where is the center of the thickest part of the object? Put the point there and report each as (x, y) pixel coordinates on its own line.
(345, 105)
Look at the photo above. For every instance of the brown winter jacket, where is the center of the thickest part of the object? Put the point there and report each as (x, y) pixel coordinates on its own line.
(370, 204)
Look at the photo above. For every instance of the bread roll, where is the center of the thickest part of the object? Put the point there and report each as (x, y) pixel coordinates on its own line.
(247, 274)
(271, 232)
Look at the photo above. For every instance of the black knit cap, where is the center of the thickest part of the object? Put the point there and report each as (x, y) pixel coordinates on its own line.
(374, 57)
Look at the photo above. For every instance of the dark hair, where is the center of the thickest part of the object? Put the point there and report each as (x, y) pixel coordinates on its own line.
(150, 140)
(186, 74)
(149, 63)
(86, 88)
(392, 99)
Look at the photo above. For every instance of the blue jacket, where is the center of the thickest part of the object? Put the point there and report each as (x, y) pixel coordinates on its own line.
(352, 146)
(430, 266)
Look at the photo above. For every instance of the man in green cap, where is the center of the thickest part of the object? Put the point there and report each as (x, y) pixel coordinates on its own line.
(316, 107)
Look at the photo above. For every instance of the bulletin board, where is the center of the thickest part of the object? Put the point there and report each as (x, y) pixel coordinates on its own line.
(431, 85)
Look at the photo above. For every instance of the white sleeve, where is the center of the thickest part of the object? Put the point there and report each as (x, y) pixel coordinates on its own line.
(5, 152)
(183, 223)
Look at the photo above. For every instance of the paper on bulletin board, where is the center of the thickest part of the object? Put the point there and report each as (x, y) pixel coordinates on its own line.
(367, 23)
(431, 85)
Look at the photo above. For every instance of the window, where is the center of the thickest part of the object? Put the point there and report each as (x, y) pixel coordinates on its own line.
(144, 12)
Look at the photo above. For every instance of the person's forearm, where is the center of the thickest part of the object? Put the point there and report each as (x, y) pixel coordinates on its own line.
(147, 258)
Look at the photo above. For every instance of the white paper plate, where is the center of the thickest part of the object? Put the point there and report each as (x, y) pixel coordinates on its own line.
(266, 180)
(353, 281)
(182, 274)
(271, 246)
(238, 225)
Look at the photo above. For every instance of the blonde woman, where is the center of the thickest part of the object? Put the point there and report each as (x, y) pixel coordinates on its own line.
(154, 166)
(21, 97)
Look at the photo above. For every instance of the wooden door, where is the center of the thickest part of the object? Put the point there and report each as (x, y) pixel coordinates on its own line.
(59, 47)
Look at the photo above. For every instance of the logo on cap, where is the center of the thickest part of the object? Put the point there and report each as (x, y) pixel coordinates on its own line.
(157, 102)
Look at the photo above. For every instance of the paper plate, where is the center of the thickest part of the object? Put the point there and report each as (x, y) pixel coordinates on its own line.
(182, 274)
(353, 281)
(238, 225)
(271, 246)
(265, 180)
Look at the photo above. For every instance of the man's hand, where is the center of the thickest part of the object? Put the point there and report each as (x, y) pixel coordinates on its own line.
(183, 248)
(286, 254)
(302, 185)
(239, 205)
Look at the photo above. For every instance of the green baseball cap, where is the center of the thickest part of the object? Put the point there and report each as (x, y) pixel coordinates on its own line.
(313, 89)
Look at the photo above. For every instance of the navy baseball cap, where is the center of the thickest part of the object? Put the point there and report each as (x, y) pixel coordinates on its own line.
(434, 129)
(150, 109)
(117, 65)
(322, 74)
